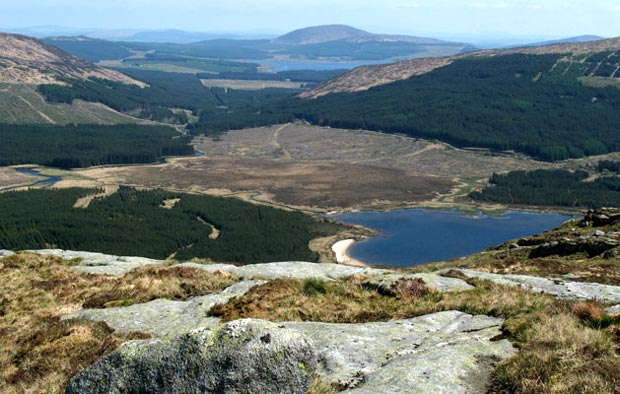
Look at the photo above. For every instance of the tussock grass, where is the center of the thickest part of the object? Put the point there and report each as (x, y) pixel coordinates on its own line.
(147, 284)
(561, 355)
(38, 351)
(347, 301)
(318, 386)
(313, 286)
(565, 346)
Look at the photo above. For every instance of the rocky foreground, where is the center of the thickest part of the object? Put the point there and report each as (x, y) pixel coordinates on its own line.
(191, 351)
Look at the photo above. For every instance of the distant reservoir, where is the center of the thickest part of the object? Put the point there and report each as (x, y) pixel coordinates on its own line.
(415, 236)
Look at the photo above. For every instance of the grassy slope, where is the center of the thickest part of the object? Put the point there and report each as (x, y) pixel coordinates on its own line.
(40, 352)
(22, 104)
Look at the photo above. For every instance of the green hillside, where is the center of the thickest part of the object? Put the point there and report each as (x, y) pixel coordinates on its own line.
(529, 103)
(22, 104)
(535, 104)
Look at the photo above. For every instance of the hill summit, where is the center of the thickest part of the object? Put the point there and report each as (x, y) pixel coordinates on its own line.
(329, 33)
(27, 60)
(319, 34)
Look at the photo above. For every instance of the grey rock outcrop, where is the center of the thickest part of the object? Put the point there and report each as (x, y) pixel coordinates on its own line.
(556, 287)
(291, 270)
(6, 253)
(244, 356)
(613, 310)
(99, 263)
(104, 264)
(590, 245)
(384, 283)
(163, 317)
(445, 352)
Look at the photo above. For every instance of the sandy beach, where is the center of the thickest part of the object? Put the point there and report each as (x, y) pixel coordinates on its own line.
(340, 248)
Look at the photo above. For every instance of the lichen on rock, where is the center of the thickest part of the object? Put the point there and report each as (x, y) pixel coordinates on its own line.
(163, 317)
(244, 356)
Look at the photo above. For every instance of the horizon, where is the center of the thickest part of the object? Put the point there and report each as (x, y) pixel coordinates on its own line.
(447, 19)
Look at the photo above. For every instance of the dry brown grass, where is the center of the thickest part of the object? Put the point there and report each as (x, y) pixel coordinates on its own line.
(560, 355)
(347, 301)
(320, 387)
(565, 347)
(589, 313)
(39, 353)
(516, 261)
(147, 284)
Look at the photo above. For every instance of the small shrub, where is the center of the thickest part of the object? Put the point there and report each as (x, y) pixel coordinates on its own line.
(315, 286)
(406, 288)
(590, 313)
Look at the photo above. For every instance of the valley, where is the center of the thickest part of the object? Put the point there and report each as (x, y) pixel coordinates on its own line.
(188, 216)
(294, 166)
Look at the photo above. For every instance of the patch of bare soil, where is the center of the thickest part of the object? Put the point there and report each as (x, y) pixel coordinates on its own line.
(169, 204)
(84, 202)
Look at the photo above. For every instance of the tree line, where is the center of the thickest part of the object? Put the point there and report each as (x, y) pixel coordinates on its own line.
(560, 188)
(74, 146)
(133, 223)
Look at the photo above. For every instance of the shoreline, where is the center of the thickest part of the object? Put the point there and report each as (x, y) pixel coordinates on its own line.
(340, 248)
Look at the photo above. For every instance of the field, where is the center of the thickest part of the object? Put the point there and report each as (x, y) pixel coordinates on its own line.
(291, 165)
(22, 104)
(251, 85)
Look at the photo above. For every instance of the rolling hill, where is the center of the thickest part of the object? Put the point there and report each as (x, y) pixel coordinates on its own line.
(335, 42)
(328, 33)
(27, 60)
(576, 39)
(553, 103)
(346, 42)
(366, 77)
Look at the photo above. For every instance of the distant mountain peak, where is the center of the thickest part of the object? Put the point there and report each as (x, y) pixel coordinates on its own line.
(330, 33)
(27, 60)
(320, 34)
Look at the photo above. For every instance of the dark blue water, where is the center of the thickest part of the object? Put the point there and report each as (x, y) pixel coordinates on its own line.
(47, 182)
(288, 65)
(416, 236)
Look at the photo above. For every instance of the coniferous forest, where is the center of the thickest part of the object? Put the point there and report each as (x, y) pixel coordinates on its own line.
(134, 223)
(75, 146)
(536, 104)
(551, 188)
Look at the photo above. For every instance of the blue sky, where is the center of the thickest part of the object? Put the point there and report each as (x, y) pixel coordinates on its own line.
(447, 18)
